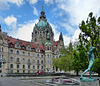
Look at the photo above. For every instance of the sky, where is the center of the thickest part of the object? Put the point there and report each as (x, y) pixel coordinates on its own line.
(18, 17)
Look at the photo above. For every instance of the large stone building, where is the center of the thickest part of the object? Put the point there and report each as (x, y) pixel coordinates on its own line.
(19, 56)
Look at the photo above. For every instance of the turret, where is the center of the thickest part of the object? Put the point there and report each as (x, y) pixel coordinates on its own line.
(61, 39)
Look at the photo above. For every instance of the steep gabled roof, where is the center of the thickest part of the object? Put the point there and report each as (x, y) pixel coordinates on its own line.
(12, 40)
(55, 45)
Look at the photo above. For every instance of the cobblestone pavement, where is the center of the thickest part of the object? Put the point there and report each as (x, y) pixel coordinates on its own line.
(6, 81)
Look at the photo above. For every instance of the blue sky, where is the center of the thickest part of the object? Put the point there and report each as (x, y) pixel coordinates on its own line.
(18, 17)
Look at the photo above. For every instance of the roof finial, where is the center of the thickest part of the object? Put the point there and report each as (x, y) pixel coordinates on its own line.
(42, 7)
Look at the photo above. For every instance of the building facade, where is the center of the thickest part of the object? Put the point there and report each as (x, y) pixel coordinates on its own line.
(19, 56)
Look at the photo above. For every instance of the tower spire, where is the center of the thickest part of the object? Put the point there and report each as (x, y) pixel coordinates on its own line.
(42, 16)
(61, 37)
(42, 7)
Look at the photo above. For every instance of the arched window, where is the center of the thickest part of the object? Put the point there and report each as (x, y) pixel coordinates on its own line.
(33, 55)
(17, 52)
(28, 66)
(47, 48)
(23, 66)
(42, 56)
(23, 53)
(28, 60)
(35, 32)
(17, 59)
(11, 65)
(11, 51)
(28, 54)
(17, 65)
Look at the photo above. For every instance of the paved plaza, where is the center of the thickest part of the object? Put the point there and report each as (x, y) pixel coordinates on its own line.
(7, 81)
(26, 81)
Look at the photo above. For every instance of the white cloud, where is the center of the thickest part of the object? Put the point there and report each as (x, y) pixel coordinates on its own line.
(18, 2)
(79, 9)
(24, 31)
(5, 4)
(76, 35)
(56, 35)
(33, 1)
(49, 1)
(35, 11)
(10, 20)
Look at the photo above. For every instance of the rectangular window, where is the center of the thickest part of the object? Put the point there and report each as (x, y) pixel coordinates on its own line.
(11, 58)
(37, 55)
(0, 65)
(28, 71)
(33, 67)
(41, 67)
(33, 55)
(37, 67)
(23, 60)
(33, 61)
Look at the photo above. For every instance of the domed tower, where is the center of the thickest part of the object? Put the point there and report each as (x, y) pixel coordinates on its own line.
(41, 29)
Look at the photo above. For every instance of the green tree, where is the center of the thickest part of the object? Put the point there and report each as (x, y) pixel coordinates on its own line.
(76, 63)
(96, 67)
(64, 63)
(91, 36)
(91, 32)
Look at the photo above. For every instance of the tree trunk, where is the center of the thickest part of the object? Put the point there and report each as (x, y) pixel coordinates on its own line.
(76, 73)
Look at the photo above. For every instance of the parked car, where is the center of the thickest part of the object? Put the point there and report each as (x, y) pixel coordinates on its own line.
(40, 72)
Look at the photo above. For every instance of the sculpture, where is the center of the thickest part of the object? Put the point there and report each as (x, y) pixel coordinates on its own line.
(91, 63)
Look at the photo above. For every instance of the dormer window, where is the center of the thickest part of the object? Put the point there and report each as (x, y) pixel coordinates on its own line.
(28, 54)
(23, 47)
(11, 45)
(33, 49)
(17, 46)
(28, 48)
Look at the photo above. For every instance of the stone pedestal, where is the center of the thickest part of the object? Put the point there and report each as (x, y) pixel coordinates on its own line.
(94, 83)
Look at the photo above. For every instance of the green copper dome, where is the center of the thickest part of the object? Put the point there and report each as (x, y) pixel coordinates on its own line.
(43, 24)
